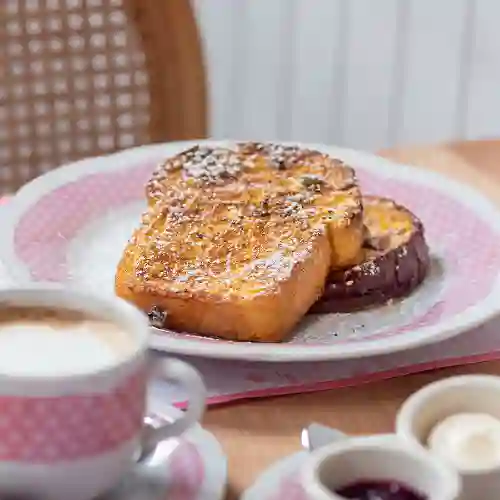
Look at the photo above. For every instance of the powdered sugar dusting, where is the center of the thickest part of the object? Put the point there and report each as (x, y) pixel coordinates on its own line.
(221, 238)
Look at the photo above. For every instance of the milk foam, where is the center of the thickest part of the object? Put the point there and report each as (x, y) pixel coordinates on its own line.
(50, 348)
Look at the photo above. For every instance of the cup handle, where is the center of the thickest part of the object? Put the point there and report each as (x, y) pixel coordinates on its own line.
(179, 372)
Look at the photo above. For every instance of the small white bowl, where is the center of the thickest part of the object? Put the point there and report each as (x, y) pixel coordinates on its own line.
(378, 458)
(463, 394)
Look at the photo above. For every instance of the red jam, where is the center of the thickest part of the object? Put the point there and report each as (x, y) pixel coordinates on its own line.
(379, 490)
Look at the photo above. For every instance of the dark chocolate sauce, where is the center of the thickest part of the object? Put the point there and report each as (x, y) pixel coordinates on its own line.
(379, 490)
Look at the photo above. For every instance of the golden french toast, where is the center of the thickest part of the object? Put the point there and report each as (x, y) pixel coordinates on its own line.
(238, 243)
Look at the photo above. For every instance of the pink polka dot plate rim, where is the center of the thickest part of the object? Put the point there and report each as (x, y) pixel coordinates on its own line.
(71, 225)
(192, 467)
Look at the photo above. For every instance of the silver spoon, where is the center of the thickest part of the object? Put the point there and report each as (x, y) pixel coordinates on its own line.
(315, 436)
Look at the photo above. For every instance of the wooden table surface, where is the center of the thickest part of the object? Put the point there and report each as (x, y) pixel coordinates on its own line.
(255, 433)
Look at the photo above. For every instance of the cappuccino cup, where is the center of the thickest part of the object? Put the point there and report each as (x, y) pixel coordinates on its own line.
(74, 371)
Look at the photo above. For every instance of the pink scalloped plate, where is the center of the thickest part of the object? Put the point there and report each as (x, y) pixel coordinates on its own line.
(71, 225)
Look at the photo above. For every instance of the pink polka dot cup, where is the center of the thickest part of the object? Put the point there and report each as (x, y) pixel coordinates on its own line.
(71, 411)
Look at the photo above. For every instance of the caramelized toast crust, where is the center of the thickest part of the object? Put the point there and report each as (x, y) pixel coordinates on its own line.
(238, 243)
(396, 260)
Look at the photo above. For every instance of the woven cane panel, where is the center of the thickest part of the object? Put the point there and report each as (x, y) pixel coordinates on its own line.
(72, 84)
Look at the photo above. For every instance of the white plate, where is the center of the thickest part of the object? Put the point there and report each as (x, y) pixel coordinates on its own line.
(71, 225)
(192, 467)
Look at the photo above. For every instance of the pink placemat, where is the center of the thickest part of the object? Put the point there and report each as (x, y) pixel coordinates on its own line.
(232, 380)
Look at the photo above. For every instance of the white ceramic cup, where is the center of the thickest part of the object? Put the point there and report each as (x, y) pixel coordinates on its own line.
(74, 436)
(428, 406)
(377, 458)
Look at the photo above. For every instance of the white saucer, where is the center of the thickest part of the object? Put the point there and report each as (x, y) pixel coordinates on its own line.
(280, 481)
(192, 467)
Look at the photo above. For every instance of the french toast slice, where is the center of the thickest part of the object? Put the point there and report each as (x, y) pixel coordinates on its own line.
(396, 260)
(237, 243)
